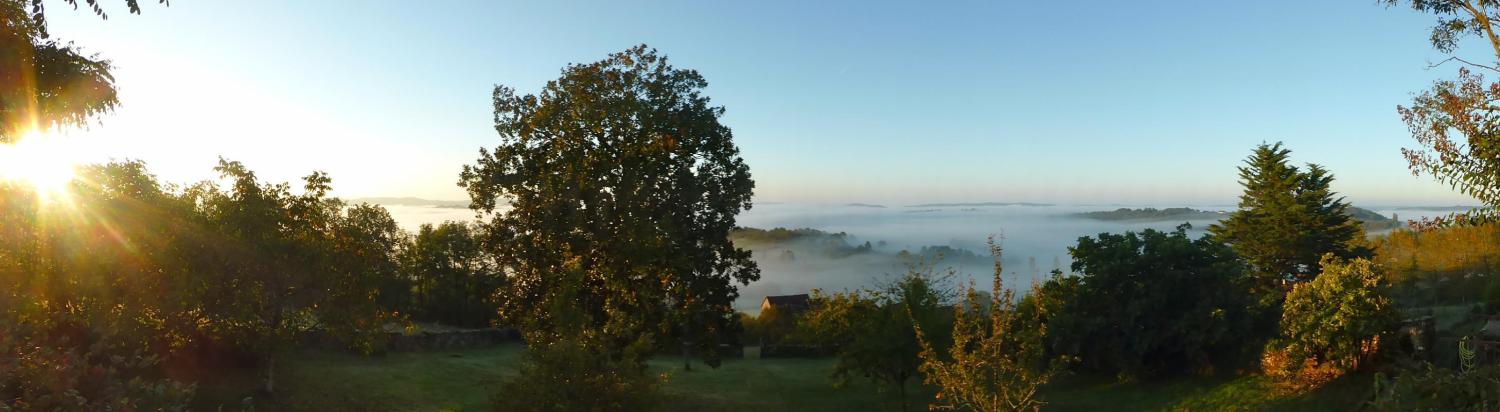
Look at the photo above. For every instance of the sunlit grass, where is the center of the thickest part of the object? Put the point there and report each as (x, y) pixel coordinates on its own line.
(42, 162)
(464, 380)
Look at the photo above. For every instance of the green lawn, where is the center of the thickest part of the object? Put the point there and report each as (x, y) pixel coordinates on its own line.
(322, 381)
(1245, 393)
(463, 380)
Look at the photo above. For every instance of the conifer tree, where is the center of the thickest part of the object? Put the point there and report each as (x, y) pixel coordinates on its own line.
(1287, 219)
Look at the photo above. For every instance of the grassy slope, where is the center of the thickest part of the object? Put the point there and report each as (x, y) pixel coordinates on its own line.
(1248, 393)
(318, 381)
(463, 380)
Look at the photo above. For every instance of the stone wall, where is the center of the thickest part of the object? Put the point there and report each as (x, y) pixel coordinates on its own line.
(794, 351)
(449, 340)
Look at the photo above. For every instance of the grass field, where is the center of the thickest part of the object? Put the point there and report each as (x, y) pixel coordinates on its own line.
(463, 381)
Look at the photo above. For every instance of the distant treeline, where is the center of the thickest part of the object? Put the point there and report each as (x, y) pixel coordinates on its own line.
(839, 245)
(830, 245)
(413, 201)
(1412, 255)
(1371, 220)
(983, 204)
(1152, 214)
(778, 235)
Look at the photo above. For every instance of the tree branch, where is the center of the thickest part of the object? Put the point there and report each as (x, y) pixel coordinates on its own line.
(1461, 60)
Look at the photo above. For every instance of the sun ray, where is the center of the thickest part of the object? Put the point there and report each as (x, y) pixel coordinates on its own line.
(41, 161)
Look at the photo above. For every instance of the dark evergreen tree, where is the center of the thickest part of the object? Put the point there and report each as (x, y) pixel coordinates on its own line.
(1287, 219)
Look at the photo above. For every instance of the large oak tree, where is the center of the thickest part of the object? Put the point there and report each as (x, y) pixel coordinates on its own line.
(620, 175)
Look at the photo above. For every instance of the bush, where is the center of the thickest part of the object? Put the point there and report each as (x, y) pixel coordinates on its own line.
(874, 332)
(997, 360)
(1331, 325)
(573, 374)
(1153, 303)
(48, 368)
(1439, 390)
(1492, 295)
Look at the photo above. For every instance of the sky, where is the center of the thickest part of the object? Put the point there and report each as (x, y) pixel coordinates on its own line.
(1083, 102)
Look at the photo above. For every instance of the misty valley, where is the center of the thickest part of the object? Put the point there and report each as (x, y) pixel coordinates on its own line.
(998, 206)
(859, 245)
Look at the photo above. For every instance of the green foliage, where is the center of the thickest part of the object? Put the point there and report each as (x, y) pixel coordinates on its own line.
(830, 245)
(38, 17)
(1437, 265)
(618, 170)
(1152, 303)
(573, 374)
(998, 358)
(1331, 325)
(88, 312)
(45, 82)
(1437, 389)
(277, 264)
(1456, 19)
(1455, 122)
(778, 235)
(161, 273)
(875, 331)
(1456, 125)
(58, 363)
(1492, 295)
(572, 366)
(452, 280)
(1288, 218)
(776, 327)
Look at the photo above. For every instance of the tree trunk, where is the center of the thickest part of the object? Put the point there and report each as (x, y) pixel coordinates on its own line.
(687, 349)
(901, 385)
(270, 382)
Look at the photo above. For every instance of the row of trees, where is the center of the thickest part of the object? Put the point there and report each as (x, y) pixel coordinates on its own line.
(1283, 284)
(139, 281)
(167, 275)
(609, 204)
(126, 265)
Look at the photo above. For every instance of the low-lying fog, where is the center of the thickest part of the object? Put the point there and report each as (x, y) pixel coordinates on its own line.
(1035, 239)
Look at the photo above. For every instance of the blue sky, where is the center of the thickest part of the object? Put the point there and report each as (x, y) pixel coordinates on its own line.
(1146, 102)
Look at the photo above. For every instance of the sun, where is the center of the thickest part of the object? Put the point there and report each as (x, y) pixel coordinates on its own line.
(42, 162)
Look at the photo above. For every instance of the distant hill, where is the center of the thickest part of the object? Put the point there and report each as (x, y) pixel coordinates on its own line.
(1371, 220)
(778, 235)
(866, 205)
(804, 241)
(412, 201)
(981, 204)
(1374, 222)
(1366, 215)
(1438, 208)
(1153, 214)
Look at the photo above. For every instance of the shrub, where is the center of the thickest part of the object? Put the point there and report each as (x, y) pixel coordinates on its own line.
(44, 367)
(1331, 325)
(574, 374)
(1153, 303)
(874, 332)
(1439, 390)
(997, 360)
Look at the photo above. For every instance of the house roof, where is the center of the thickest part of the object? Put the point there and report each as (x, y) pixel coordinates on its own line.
(800, 301)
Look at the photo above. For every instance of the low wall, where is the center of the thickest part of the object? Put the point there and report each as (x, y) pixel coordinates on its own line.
(449, 340)
(420, 340)
(794, 351)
